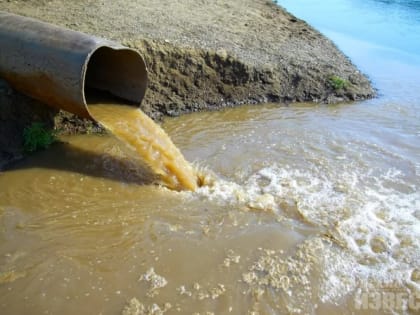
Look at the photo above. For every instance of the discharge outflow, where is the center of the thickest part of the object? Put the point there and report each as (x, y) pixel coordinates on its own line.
(150, 141)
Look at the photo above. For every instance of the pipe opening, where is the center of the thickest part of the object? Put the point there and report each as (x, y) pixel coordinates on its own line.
(112, 73)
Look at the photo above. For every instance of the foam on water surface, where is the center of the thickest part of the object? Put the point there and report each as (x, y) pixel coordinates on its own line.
(370, 230)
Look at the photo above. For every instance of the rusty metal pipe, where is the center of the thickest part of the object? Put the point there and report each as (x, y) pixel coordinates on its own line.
(59, 66)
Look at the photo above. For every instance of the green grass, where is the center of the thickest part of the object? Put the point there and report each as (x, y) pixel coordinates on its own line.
(338, 83)
(37, 137)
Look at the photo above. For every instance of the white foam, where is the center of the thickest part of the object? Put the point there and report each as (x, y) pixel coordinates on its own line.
(375, 218)
(226, 192)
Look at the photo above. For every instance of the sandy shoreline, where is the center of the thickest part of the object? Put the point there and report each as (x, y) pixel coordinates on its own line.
(201, 55)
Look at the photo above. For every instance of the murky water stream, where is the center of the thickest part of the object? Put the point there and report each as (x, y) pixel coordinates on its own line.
(311, 209)
(149, 141)
(282, 230)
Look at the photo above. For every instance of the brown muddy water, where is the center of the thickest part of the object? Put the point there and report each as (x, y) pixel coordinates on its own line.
(280, 228)
(307, 209)
(149, 141)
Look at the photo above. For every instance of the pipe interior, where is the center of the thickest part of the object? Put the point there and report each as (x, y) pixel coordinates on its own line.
(115, 74)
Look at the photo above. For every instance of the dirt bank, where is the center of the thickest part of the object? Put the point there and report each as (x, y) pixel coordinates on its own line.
(201, 54)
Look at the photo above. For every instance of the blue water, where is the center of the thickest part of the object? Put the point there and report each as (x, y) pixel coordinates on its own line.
(382, 37)
(394, 24)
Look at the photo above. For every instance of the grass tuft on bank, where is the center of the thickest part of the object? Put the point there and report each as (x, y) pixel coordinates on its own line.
(338, 83)
(37, 137)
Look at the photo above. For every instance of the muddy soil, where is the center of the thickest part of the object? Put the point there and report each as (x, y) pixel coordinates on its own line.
(201, 55)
